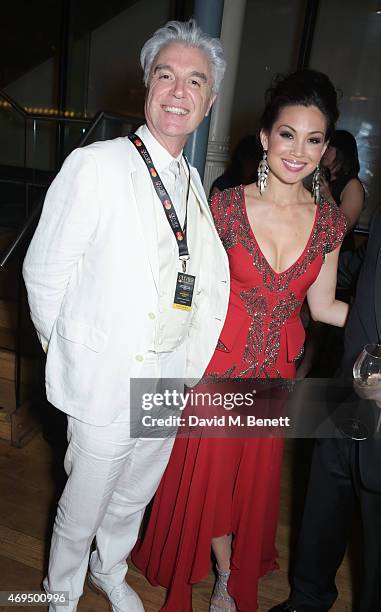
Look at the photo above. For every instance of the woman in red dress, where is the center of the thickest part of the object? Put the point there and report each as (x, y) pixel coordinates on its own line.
(283, 244)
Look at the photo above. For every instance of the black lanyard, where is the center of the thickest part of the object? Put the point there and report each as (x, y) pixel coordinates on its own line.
(169, 209)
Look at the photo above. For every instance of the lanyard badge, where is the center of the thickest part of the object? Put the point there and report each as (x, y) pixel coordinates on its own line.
(184, 291)
(185, 282)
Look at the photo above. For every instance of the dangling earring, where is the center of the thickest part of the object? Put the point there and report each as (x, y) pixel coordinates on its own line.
(263, 170)
(316, 184)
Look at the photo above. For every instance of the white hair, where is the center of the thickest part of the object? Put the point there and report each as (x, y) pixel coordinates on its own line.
(186, 33)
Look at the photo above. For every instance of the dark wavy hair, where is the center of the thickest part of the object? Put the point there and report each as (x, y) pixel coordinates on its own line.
(346, 153)
(304, 88)
(248, 149)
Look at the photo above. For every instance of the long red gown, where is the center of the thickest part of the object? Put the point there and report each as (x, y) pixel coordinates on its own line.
(216, 486)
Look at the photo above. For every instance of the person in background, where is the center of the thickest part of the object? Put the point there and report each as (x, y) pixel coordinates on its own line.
(345, 471)
(103, 273)
(340, 182)
(243, 166)
(283, 244)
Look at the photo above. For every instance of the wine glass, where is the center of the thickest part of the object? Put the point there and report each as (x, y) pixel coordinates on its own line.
(367, 379)
(367, 367)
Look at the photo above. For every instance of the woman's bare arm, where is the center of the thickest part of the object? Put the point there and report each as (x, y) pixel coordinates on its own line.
(352, 201)
(321, 295)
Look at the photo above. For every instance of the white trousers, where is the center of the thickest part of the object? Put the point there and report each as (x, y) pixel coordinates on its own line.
(111, 479)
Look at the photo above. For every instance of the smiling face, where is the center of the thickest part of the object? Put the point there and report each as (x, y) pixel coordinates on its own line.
(295, 143)
(179, 94)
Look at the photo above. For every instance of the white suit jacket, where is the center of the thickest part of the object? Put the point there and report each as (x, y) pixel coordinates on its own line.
(91, 273)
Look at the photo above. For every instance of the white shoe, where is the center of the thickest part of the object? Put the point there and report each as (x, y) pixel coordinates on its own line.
(121, 598)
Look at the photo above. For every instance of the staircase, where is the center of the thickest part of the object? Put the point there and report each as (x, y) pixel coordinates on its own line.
(17, 423)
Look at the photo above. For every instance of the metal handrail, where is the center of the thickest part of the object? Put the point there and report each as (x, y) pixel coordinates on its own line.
(93, 121)
(20, 236)
(40, 116)
(13, 103)
(105, 115)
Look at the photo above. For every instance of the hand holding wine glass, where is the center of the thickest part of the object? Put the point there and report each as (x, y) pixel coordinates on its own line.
(367, 373)
(367, 384)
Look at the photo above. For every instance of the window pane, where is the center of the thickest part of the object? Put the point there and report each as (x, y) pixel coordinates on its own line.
(347, 46)
(270, 45)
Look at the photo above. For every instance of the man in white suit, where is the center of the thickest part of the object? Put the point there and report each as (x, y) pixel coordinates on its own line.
(102, 274)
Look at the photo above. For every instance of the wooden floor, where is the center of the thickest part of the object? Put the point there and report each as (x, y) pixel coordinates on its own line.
(28, 492)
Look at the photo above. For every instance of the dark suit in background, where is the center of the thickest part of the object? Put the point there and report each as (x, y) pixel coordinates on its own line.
(343, 469)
